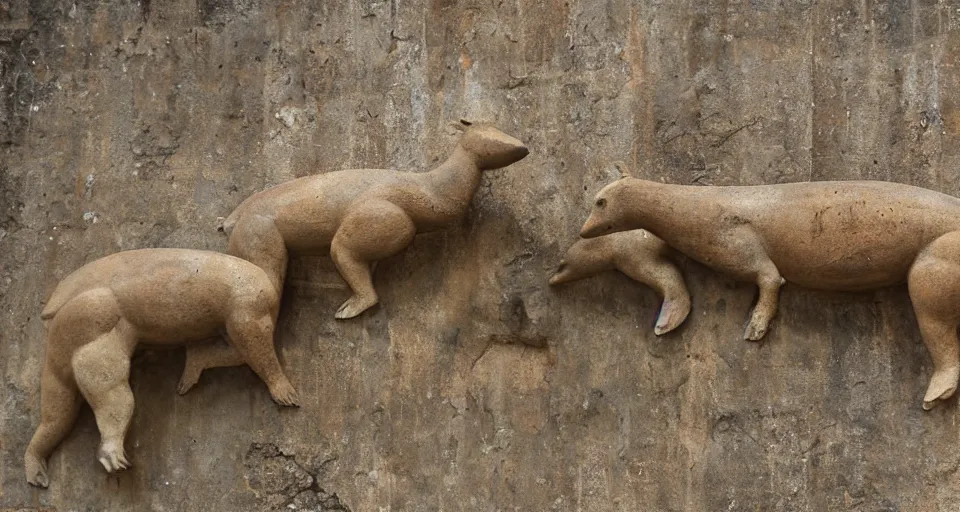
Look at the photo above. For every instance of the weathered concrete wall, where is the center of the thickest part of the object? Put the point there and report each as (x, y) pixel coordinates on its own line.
(473, 386)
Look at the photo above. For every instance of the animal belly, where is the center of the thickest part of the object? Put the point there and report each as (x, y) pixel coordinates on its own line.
(175, 312)
(161, 331)
(849, 272)
(847, 263)
(855, 242)
(307, 231)
(308, 239)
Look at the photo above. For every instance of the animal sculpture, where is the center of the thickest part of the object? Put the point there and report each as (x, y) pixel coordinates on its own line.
(831, 235)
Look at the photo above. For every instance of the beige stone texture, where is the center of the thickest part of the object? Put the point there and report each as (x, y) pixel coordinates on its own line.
(474, 385)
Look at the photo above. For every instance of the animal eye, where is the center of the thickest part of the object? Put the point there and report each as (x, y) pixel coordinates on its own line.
(601, 202)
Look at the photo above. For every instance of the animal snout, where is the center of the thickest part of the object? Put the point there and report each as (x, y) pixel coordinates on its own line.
(559, 275)
(509, 155)
(593, 229)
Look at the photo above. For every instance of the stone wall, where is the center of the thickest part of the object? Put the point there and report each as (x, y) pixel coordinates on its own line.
(475, 386)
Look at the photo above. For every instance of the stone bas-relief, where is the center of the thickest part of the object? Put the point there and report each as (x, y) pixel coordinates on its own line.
(641, 256)
(843, 236)
(362, 215)
(102, 311)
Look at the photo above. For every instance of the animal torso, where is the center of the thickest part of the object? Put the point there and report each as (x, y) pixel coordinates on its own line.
(308, 211)
(171, 295)
(830, 235)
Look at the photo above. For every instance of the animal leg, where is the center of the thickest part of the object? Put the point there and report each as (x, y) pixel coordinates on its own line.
(664, 277)
(934, 285)
(251, 332)
(374, 230)
(940, 338)
(739, 252)
(102, 370)
(769, 281)
(256, 239)
(59, 404)
(213, 354)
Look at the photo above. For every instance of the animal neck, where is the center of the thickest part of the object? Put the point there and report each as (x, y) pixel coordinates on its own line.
(655, 206)
(597, 255)
(455, 180)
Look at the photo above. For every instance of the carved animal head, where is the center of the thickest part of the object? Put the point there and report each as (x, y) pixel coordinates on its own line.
(585, 258)
(607, 215)
(491, 148)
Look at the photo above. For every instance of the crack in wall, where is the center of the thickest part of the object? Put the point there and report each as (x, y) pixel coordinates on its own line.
(277, 479)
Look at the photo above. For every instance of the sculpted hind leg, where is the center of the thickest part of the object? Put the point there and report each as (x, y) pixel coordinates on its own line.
(369, 232)
(934, 285)
(940, 338)
(81, 320)
(102, 370)
(59, 404)
(256, 239)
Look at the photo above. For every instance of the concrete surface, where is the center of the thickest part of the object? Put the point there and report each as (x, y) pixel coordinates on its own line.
(474, 386)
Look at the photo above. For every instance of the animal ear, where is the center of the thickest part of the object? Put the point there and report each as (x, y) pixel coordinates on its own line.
(460, 125)
(622, 169)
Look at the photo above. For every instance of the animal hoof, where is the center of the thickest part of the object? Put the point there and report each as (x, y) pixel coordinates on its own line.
(36, 471)
(284, 394)
(186, 384)
(664, 326)
(354, 306)
(942, 386)
(112, 458)
(672, 314)
(754, 332)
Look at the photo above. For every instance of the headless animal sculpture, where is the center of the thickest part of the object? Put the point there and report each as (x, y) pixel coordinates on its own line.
(103, 310)
(641, 256)
(362, 215)
(845, 236)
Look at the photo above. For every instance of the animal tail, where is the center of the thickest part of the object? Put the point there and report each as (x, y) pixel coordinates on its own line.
(228, 224)
(66, 290)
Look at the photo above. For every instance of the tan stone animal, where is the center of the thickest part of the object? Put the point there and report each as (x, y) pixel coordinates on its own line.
(102, 311)
(364, 215)
(641, 256)
(849, 235)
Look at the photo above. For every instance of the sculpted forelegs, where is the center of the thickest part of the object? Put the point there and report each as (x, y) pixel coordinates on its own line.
(253, 338)
(665, 279)
(769, 282)
(934, 285)
(740, 253)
